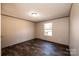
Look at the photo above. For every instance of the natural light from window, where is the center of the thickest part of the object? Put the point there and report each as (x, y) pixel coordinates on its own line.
(48, 29)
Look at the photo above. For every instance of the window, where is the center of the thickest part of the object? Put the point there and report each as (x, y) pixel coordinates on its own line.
(48, 29)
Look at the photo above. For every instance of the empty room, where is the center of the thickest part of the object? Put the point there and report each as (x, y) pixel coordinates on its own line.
(39, 29)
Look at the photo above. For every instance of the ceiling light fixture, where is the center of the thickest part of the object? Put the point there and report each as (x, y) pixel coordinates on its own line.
(34, 14)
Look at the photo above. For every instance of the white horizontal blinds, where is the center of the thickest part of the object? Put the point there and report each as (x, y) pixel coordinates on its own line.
(48, 29)
(48, 26)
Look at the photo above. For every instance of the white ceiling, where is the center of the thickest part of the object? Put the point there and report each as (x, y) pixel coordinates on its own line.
(47, 11)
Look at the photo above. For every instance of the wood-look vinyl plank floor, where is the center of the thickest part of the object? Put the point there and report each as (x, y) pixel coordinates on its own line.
(36, 47)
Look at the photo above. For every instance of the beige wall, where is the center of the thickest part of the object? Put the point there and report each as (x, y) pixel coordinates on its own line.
(15, 31)
(74, 30)
(60, 31)
(0, 28)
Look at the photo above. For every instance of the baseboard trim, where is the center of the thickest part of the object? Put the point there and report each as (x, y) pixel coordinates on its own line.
(66, 46)
(16, 43)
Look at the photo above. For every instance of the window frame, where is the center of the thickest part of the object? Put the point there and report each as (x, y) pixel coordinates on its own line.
(48, 30)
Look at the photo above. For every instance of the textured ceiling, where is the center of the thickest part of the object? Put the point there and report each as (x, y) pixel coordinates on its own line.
(47, 11)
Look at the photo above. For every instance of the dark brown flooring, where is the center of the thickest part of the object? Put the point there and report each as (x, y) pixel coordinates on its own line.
(36, 47)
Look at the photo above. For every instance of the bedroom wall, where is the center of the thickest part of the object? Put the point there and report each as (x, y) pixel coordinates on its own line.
(15, 30)
(0, 28)
(60, 31)
(74, 30)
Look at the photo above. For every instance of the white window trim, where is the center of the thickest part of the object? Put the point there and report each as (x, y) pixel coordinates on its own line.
(48, 29)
